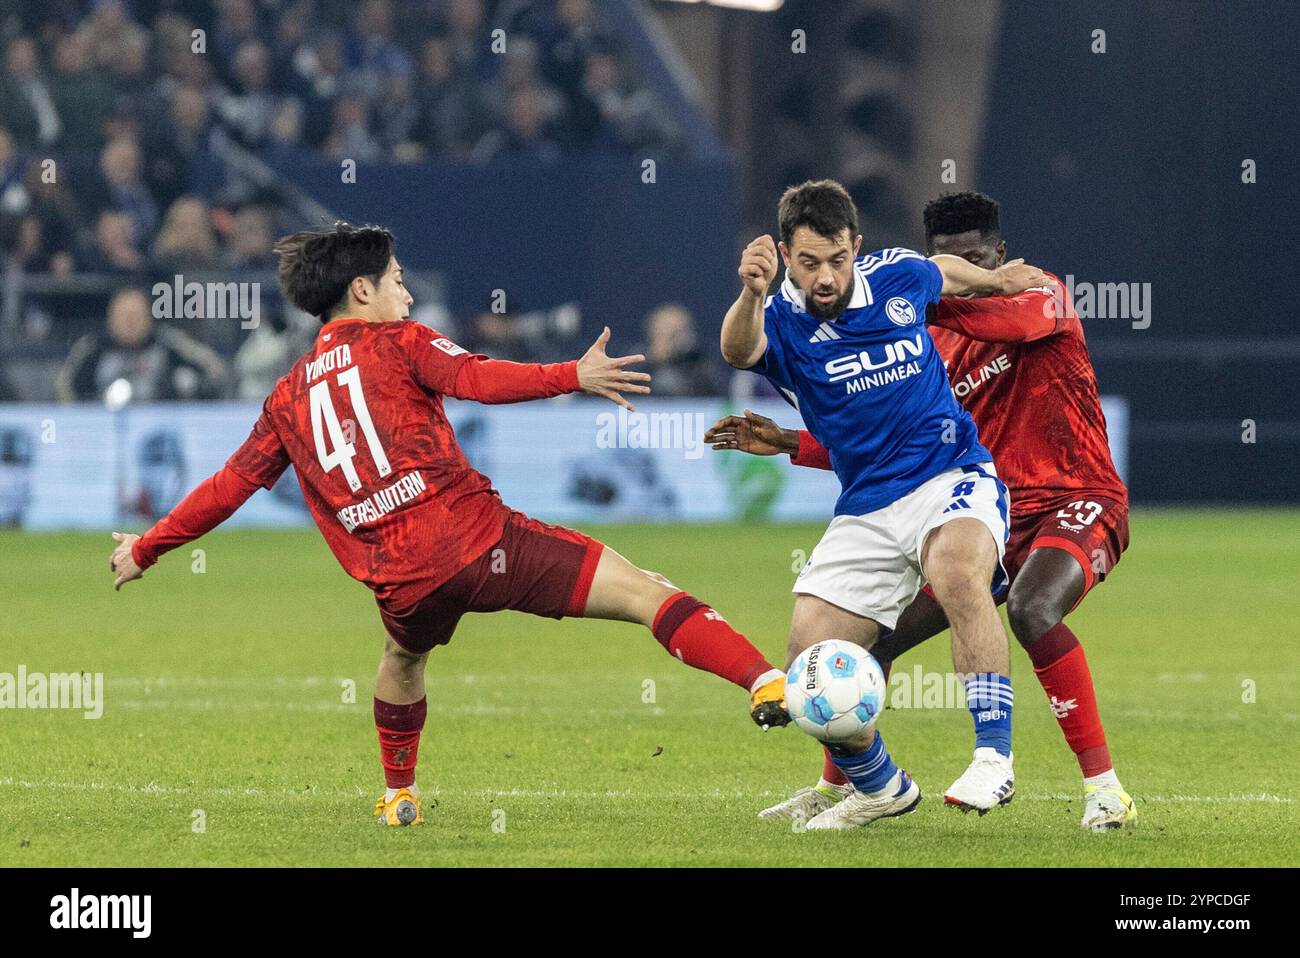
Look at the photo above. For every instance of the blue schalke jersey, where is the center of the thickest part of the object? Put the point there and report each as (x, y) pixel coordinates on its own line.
(870, 384)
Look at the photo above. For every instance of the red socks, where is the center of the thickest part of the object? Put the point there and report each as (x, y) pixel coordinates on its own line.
(399, 739)
(1063, 670)
(701, 638)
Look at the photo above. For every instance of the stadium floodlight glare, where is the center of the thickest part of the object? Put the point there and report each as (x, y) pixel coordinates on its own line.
(762, 6)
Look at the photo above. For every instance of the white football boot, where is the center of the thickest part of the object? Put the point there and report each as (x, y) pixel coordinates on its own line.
(899, 797)
(987, 783)
(808, 802)
(1107, 807)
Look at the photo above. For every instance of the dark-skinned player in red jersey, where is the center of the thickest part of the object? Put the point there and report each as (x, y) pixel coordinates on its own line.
(360, 417)
(1020, 366)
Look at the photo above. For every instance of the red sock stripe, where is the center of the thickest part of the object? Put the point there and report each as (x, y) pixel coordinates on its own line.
(1051, 646)
(401, 718)
(700, 637)
(675, 610)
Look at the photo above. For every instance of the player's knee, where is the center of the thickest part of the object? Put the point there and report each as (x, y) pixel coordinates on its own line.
(1031, 614)
(403, 659)
(659, 579)
(959, 585)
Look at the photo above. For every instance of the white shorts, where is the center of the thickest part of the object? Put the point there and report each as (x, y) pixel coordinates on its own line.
(871, 565)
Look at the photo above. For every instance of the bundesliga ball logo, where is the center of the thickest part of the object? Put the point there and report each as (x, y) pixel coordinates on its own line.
(835, 690)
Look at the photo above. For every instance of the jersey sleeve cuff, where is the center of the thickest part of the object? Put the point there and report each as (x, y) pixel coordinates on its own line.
(569, 376)
(141, 555)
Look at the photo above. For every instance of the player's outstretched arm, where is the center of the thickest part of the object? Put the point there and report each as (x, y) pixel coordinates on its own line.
(760, 436)
(752, 433)
(963, 278)
(211, 503)
(443, 367)
(743, 339)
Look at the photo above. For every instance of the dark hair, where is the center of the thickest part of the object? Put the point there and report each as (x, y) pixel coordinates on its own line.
(317, 267)
(955, 213)
(823, 206)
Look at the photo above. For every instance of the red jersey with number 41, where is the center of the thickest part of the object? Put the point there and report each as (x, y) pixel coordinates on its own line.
(361, 419)
(1020, 366)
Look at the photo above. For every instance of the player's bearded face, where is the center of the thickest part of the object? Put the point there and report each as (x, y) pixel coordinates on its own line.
(822, 267)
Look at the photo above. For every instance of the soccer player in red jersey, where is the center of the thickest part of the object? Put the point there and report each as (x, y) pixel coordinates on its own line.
(360, 417)
(1020, 366)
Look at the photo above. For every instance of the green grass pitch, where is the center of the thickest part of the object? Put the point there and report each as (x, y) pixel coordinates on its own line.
(546, 744)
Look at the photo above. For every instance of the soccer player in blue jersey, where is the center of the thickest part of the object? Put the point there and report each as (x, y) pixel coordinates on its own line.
(844, 341)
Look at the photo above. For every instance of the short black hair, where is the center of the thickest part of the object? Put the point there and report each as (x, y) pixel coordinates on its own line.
(823, 206)
(317, 266)
(954, 213)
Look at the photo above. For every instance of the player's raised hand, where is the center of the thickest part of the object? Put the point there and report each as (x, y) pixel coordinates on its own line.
(122, 562)
(608, 376)
(758, 265)
(752, 433)
(1018, 276)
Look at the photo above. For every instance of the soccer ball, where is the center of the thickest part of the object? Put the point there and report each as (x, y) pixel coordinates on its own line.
(834, 690)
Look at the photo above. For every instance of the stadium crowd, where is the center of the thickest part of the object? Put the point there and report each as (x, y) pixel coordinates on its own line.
(110, 111)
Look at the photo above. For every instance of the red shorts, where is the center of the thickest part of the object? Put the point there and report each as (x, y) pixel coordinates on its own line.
(1091, 528)
(536, 568)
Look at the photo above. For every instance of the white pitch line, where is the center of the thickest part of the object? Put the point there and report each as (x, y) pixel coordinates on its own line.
(153, 788)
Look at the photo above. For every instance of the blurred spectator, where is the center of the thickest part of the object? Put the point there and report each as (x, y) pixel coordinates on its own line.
(109, 30)
(55, 208)
(26, 106)
(541, 335)
(179, 142)
(157, 362)
(527, 131)
(123, 190)
(350, 138)
(252, 234)
(673, 355)
(269, 351)
(33, 252)
(632, 116)
(82, 95)
(187, 242)
(396, 118)
(113, 249)
(466, 30)
(248, 111)
(236, 26)
(454, 111)
(375, 59)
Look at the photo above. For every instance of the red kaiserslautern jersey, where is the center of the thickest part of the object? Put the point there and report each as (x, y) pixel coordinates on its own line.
(1020, 366)
(361, 418)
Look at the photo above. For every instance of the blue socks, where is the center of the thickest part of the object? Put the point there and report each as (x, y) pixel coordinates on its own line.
(870, 771)
(989, 697)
